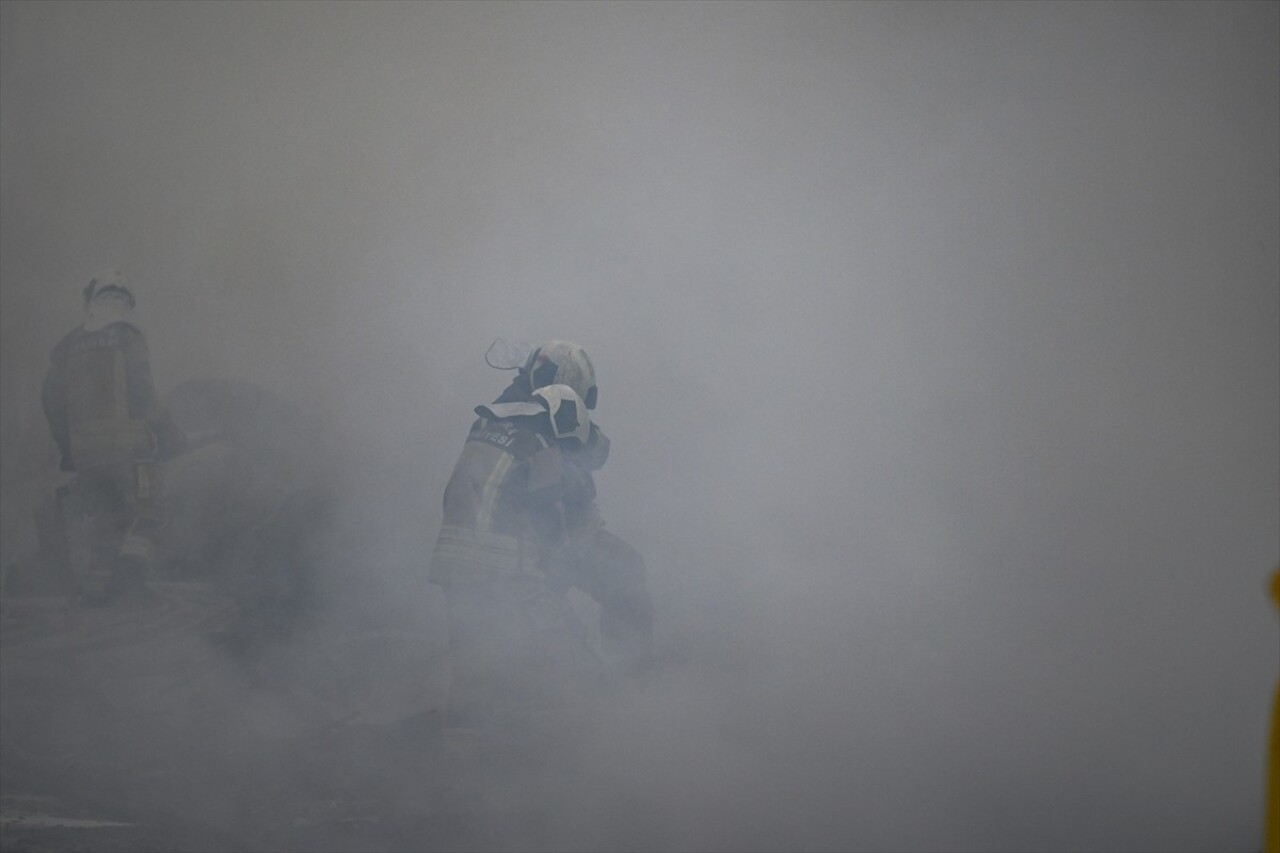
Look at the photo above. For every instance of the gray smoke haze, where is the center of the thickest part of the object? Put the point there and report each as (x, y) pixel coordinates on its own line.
(939, 345)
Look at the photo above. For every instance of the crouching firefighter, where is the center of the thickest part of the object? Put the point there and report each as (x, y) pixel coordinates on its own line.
(503, 534)
(594, 559)
(100, 402)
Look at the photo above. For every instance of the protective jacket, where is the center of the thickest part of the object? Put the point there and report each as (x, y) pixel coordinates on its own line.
(504, 504)
(99, 398)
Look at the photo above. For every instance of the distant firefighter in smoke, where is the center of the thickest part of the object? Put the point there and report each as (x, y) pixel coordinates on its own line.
(101, 406)
(520, 528)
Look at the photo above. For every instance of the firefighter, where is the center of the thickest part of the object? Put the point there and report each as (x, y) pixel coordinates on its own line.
(596, 560)
(100, 402)
(503, 532)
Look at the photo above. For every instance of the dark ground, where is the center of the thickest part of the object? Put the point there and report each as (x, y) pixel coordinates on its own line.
(139, 726)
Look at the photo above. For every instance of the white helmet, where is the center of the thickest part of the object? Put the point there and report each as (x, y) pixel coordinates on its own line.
(569, 417)
(562, 363)
(109, 283)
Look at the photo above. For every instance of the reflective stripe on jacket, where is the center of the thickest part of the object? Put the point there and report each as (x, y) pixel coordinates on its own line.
(503, 504)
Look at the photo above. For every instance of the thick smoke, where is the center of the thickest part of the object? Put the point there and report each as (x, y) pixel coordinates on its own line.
(937, 344)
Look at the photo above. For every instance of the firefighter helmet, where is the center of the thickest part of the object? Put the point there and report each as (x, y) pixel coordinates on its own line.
(107, 284)
(562, 363)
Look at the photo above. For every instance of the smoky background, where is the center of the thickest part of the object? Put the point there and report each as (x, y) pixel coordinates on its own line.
(938, 345)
